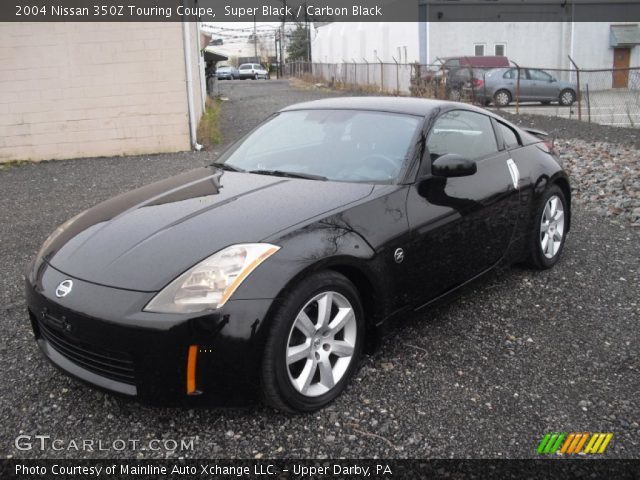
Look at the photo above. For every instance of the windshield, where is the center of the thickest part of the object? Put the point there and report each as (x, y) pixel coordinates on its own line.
(340, 145)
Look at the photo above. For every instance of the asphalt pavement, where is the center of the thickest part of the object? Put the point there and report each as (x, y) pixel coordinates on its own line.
(515, 355)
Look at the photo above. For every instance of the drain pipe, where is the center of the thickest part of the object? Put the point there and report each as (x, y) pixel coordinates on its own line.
(186, 34)
(201, 70)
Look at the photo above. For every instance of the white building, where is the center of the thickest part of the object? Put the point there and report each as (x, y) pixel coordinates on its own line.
(535, 44)
(98, 89)
(366, 42)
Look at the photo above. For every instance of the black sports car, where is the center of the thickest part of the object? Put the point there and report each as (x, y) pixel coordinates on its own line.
(268, 271)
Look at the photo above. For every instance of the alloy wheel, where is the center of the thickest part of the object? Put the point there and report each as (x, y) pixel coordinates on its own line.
(567, 98)
(502, 99)
(321, 344)
(552, 227)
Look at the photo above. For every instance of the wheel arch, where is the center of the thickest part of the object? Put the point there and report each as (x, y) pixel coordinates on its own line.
(368, 297)
(358, 272)
(563, 183)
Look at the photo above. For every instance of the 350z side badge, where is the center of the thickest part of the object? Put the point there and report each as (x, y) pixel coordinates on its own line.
(64, 288)
(398, 255)
(514, 172)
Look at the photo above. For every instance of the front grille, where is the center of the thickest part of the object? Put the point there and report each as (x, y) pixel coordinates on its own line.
(106, 363)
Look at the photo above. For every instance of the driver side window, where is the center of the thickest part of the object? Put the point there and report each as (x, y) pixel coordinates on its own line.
(539, 75)
(465, 133)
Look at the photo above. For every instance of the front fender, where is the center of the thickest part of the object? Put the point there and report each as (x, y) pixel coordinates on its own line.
(324, 244)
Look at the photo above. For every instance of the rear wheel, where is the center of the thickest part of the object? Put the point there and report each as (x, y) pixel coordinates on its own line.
(314, 345)
(548, 231)
(455, 94)
(567, 97)
(502, 98)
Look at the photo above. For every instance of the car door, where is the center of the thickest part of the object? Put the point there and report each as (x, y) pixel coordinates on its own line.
(527, 86)
(460, 226)
(543, 85)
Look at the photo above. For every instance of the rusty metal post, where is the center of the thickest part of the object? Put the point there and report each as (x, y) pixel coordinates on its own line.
(381, 74)
(588, 103)
(365, 61)
(578, 94)
(517, 88)
(397, 76)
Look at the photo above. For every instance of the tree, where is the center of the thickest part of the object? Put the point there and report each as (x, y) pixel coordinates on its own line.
(299, 44)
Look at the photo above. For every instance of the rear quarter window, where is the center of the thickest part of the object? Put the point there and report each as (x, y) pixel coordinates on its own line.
(509, 137)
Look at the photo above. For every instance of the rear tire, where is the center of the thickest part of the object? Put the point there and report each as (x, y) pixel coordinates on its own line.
(502, 98)
(310, 357)
(567, 97)
(548, 230)
(455, 95)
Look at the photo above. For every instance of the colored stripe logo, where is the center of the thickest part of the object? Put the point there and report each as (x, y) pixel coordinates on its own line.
(574, 443)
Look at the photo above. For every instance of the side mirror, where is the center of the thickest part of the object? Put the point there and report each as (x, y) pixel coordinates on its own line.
(453, 165)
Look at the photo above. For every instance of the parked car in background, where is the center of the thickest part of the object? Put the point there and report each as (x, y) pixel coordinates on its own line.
(500, 87)
(455, 72)
(253, 71)
(227, 72)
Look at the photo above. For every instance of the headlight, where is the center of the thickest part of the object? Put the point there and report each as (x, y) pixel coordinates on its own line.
(211, 282)
(55, 234)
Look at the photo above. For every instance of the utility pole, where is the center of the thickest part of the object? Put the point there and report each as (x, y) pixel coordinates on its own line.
(282, 36)
(307, 34)
(277, 37)
(255, 39)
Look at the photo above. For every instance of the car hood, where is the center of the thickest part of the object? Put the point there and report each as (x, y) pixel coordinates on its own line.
(143, 239)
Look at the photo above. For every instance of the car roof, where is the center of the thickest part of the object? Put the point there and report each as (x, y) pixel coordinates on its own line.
(487, 61)
(410, 106)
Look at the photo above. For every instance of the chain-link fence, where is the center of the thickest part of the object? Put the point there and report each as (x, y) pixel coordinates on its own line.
(610, 97)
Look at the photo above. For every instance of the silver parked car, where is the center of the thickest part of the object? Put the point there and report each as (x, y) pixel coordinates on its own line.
(253, 71)
(499, 86)
(227, 72)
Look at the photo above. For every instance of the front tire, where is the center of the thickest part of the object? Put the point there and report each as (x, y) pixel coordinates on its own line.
(549, 229)
(314, 345)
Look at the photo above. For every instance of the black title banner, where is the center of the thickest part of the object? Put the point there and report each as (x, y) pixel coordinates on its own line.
(318, 10)
(317, 469)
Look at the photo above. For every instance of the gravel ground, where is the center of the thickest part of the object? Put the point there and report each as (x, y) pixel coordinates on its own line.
(515, 355)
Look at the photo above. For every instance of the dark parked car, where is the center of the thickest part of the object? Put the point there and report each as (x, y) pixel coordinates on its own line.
(500, 86)
(267, 272)
(456, 72)
(227, 72)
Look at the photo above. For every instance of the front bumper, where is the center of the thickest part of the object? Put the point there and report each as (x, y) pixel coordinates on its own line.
(101, 335)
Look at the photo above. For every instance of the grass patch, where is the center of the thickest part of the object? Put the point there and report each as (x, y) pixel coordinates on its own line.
(14, 163)
(209, 127)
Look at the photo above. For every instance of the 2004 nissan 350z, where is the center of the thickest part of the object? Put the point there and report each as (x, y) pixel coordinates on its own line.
(265, 273)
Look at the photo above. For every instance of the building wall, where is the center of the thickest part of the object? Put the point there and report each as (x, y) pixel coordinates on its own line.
(535, 44)
(349, 41)
(591, 46)
(72, 90)
(528, 44)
